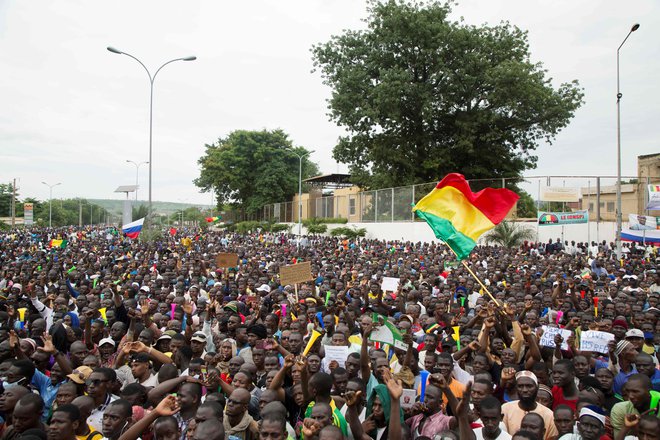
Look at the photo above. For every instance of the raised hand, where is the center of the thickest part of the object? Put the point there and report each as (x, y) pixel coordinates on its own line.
(168, 406)
(14, 341)
(508, 374)
(464, 404)
(289, 361)
(489, 323)
(352, 398)
(48, 347)
(188, 308)
(310, 427)
(474, 346)
(394, 385)
(438, 380)
(526, 330)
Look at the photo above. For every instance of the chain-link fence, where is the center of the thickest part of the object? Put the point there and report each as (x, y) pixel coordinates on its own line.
(597, 194)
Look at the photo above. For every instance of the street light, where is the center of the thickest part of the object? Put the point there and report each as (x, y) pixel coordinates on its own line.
(50, 203)
(137, 174)
(618, 146)
(300, 158)
(152, 78)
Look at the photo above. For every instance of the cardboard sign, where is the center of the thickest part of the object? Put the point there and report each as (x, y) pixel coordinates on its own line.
(593, 340)
(226, 260)
(548, 338)
(296, 273)
(389, 284)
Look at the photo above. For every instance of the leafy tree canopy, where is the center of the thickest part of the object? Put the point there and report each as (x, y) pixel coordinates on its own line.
(421, 96)
(249, 169)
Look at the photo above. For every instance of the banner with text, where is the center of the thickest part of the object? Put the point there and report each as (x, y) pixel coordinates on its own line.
(562, 218)
(560, 194)
(642, 222)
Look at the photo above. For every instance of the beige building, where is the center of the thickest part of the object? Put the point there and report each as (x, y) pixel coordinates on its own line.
(633, 195)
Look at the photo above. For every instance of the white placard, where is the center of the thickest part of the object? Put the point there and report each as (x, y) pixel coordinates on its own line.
(408, 398)
(389, 284)
(548, 338)
(337, 353)
(593, 340)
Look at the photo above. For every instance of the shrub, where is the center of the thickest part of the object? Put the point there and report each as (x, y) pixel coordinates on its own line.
(317, 229)
(350, 233)
(323, 220)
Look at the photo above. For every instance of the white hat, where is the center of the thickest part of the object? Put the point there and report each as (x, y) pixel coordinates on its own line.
(107, 341)
(264, 288)
(145, 289)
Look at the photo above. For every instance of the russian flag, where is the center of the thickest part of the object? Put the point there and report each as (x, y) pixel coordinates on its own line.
(132, 230)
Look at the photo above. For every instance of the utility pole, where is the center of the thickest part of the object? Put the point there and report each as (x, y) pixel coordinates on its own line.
(13, 204)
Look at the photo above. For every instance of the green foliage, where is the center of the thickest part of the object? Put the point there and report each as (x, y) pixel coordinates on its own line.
(526, 207)
(68, 211)
(421, 96)
(510, 234)
(350, 233)
(5, 199)
(323, 220)
(140, 211)
(319, 228)
(190, 215)
(250, 169)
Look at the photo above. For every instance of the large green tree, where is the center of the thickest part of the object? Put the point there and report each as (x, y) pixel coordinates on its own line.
(249, 169)
(421, 96)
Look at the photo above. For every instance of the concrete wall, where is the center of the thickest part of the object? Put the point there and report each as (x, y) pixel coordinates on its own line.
(419, 231)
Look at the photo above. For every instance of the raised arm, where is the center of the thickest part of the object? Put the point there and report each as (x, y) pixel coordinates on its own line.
(365, 365)
(395, 389)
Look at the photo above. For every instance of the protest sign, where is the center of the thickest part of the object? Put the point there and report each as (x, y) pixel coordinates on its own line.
(224, 259)
(560, 194)
(386, 333)
(654, 197)
(335, 353)
(389, 284)
(593, 340)
(548, 337)
(296, 273)
(408, 398)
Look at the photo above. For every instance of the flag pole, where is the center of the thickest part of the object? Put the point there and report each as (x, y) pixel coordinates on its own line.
(474, 275)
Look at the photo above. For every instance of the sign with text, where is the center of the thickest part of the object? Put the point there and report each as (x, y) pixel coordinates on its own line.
(296, 273)
(389, 284)
(593, 340)
(224, 259)
(654, 197)
(548, 337)
(562, 218)
(560, 194)
(28, 214)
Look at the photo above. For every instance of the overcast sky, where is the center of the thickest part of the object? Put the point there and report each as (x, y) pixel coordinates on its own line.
(72, 112)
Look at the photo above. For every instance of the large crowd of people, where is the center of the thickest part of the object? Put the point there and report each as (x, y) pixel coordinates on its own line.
(104, 337)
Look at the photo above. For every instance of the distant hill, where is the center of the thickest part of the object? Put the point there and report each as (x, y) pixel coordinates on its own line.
(116, 206)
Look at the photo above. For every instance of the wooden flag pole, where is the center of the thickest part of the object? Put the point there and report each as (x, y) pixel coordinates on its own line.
(474, 275)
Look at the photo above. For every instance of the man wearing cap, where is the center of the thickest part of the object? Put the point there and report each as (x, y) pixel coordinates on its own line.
(527, 387)
(623, 364)
(107, 351)
(590, 426)
(198, 344)
(255, 333)
(141, 370)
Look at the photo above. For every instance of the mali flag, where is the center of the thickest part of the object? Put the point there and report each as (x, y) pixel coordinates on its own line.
(58, 243)
(458, 216)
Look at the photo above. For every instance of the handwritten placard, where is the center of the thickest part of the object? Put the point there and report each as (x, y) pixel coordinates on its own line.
(548, 337)
(224, 259)
(296, 273)
(337, 353)
(596, 341)
(389, 284)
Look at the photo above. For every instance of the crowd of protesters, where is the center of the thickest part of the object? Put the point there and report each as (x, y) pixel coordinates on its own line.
(103, 337)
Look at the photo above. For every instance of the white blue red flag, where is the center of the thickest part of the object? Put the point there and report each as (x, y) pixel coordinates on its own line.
(132, 230)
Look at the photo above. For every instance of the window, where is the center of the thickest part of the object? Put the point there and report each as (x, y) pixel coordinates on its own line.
(610, 206)
(591, 207)
(351, 205)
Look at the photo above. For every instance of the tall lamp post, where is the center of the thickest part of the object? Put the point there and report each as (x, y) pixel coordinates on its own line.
(137, 173)
(50, 203)
(618, 146)
(300, 158)
(152, 78)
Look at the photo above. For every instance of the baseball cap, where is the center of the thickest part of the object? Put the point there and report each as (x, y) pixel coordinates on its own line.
(199, 337)
(264, 288)
(80, 374)
(145, 289)
(140, 357)
(634, 333)
(107, 341)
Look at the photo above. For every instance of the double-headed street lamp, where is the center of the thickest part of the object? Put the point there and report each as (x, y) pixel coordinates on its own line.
(152, 78)
(137, 174)
(50, 203)
(618, 147)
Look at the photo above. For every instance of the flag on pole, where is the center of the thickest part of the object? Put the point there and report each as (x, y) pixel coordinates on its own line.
(212, 219)
(458, 216)
(58, 243)
(133, 229)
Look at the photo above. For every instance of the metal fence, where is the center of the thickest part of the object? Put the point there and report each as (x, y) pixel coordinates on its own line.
(596, 194)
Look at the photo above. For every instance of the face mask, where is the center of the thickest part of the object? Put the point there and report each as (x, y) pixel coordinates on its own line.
(6, 385)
